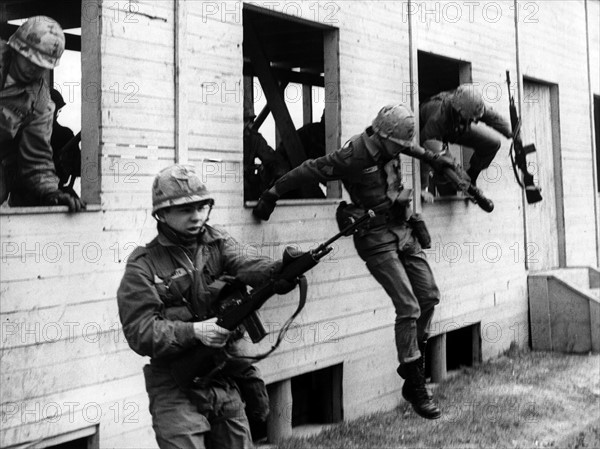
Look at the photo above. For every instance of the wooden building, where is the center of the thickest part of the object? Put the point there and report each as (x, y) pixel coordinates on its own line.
(165, 81)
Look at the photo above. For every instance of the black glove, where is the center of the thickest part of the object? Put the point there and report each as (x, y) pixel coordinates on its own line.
(439, 161)
(266, 205)
(65, 196)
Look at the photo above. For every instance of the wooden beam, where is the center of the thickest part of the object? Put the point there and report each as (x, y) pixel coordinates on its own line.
(91, 114)
(307, 107)
(290, 76)
(279, 423)
(439, 369)
(181, 101)
(283, 121)
(332, 102)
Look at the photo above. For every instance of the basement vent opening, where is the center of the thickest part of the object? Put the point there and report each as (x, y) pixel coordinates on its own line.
(460, 347)
(453, 350)
(317, 397)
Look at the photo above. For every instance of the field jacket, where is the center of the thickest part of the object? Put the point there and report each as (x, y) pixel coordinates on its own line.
(372, 180)
(26, 116)
(165, 289)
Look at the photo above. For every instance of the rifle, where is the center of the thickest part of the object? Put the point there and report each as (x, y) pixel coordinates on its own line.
(199, 362)
(518, 156)
(460, 180)
(458, 177)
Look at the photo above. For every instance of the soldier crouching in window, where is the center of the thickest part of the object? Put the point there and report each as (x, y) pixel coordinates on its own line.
(27, 170)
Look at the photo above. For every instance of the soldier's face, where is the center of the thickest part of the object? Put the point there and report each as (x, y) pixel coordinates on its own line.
(187, 218)
(25, 70)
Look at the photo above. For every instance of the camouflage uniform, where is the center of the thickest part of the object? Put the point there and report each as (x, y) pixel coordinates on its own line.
(158, 323)
(26, 116)
(389, 248)
(436, 123)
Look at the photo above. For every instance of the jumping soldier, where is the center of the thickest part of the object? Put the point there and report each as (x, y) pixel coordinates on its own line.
(453, 117)
(167, 303)
(369, 168)
(27, 170)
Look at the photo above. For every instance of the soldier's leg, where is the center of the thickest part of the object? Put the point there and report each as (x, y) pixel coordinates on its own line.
(176, 420)
(390, 272)
(485, 144)
(230, 428)
(424, 287)
(387, 269)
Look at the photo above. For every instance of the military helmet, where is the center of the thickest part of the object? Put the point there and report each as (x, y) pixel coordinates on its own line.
(468, 101)
(176, 185)
(396, 122)
(41, 40)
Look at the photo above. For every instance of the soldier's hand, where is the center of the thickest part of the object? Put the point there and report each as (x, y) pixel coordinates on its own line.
(65, 196)
(427, 197)
(266, 205)
(210, 333)
(440, 161)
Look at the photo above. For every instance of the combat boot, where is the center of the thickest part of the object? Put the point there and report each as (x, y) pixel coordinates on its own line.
(414, 390)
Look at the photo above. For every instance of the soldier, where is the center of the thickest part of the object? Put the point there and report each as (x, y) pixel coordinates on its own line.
(454, 117)
(369, 168)
(258, 177)
(26, 114)
(65, 147)
(167, 305)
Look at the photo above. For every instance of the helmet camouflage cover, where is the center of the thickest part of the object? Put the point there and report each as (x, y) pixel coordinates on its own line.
(395, 121)
(176, 185)
(468, 101)
(41, 40)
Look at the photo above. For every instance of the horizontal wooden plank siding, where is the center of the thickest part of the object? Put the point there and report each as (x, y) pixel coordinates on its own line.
(65, 362)
(545, 40)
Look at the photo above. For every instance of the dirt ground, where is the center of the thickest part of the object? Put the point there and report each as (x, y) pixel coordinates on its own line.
(520, 400)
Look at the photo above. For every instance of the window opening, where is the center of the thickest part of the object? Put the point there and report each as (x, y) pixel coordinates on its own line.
(439, 74)
(288, 99)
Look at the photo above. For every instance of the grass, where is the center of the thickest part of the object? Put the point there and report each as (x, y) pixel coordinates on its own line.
(520, 400)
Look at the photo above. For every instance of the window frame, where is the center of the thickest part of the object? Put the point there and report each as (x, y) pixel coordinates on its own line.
(331, 85)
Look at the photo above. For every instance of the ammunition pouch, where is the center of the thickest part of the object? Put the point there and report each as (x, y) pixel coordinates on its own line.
(420, 230)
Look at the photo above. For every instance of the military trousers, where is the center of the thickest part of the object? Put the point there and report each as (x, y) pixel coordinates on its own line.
(408, 280)
(485, 144)
(203, 418)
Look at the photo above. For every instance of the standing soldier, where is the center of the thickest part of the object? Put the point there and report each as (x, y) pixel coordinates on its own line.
(453, 117)
(369, 168)
(166, 300)
(26, 114)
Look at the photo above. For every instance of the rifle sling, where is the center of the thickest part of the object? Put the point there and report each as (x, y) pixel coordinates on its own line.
(303, 287)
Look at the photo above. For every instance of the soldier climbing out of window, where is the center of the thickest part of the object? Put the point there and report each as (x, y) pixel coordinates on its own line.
(453, 117)
(391, 242)
(27, 169)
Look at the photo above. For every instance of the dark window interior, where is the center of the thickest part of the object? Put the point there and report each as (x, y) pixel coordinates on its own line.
(317, 397)
(284, 65)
